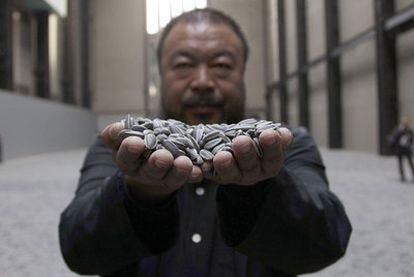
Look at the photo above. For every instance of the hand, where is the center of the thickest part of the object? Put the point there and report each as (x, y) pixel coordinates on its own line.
(154, 179)
(246, 167)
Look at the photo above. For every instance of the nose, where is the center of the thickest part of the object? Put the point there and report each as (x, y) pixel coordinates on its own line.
(202, 81)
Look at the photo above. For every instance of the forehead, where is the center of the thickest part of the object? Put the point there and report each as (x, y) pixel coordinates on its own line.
(202, 36)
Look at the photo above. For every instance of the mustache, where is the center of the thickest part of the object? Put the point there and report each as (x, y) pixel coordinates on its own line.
(202, 99)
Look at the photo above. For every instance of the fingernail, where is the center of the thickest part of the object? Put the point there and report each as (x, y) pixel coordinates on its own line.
(194, 175)
(133, 149)
(246, 148)
(271, 140)
(225, 164)
(160, 164)
(111, 131)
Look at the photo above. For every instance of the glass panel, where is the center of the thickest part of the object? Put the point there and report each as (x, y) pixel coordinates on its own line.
(176, 7)
(188, 5)
(164, 12)
(200, 4)
(152, 17)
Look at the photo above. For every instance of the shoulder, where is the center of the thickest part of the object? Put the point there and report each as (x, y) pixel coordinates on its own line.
(301, 138)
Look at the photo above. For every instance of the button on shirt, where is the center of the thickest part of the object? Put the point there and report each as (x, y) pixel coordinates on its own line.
(199, 240)
(200, 191)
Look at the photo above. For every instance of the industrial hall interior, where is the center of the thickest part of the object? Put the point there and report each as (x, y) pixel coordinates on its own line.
(341, 69)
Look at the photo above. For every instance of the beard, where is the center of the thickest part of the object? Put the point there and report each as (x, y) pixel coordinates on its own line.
(206, 108)
(227, 115)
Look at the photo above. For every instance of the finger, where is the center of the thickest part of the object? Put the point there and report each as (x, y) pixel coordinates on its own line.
(157, 166)
(245, 154)
(271, 143)
(179, 174)
(207, 169)
(110, 134)
(129, 153)
(226, 168)
(196, 175)
(286, 137)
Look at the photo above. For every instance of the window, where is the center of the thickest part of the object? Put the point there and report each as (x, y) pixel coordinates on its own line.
(160, 12)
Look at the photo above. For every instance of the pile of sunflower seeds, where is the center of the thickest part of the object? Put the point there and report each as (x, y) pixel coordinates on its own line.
(198, 142)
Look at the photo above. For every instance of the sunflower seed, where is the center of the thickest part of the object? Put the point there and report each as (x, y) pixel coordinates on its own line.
(157, 123)
(258, 147)
(128, 122)
(128, 133)
(150, 141)
(206, 155)
(138, 128)
(148, 125)
(194, 143)
(192, 153)
(248, 121)
(199, 160)
(170, 146)
(212, 135)
(161, 137)
(199, 142)
(212, 143)
(177, 129)
(199, 133)
(162, 130)
(218, 148)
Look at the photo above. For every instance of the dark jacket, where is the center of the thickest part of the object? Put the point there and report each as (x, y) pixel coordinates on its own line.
(401, 140)
(284, 226)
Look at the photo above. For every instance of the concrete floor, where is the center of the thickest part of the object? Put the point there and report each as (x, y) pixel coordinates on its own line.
(34, 190)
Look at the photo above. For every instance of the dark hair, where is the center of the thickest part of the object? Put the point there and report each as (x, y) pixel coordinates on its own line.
(200, 15)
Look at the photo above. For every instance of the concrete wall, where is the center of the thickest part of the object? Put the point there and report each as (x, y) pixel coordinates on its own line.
(55, 56)
(401, 4)
(358, 69)
(117, 57)
(272, 39)
(291, 43)
(74, 47)
(23, 54)
(249, 14)
(318, 109)
(359, 83)
(405, 49)
(31, 126)
(293, 106)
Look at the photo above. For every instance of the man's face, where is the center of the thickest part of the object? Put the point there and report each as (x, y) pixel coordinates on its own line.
(202, 71)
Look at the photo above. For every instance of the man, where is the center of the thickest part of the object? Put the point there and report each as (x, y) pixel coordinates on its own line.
(269, 216)
(401, 141)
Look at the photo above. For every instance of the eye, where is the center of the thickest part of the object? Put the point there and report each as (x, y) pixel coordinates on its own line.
(182, 65)
(222, 69)
(223, 66)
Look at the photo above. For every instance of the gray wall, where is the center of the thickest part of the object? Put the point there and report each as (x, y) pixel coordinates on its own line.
(23, 54)
(31, 126)
(359, 82)
(117, 68)
(318, 97)
(358, 69)
(405, 46)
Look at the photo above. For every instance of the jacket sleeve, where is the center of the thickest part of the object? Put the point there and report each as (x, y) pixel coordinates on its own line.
(291, 222)
(103, 229)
